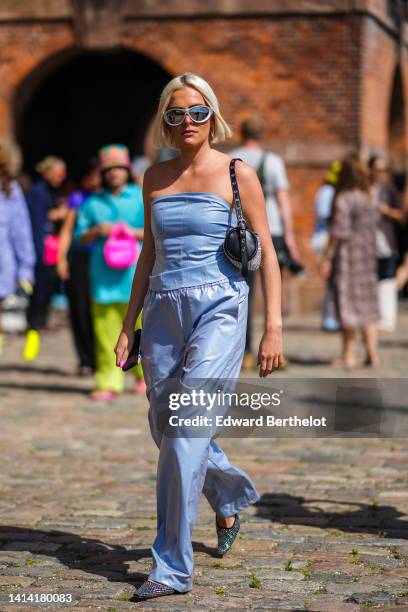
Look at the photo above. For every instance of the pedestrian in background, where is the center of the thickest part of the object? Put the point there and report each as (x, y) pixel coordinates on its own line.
(47, 206)
(272, 176)
(118, 205)
(323, 206)
(350, 262)
(388, 202)
(72, 267)
(17, 254)
(400, 180)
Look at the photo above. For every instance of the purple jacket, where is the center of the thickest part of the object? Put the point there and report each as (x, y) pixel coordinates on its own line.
(17, 255)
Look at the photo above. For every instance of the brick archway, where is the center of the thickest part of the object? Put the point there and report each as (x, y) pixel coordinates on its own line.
(78, 100)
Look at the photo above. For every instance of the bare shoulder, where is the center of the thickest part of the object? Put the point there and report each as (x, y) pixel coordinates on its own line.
(157, 174)
(246, 175)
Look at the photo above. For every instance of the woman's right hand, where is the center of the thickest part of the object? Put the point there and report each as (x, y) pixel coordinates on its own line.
(123, 346)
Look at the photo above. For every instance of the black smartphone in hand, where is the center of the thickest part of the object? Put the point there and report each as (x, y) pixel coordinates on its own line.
(134, 354)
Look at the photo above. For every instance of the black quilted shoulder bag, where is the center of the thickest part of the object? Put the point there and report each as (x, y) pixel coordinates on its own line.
(242, 247)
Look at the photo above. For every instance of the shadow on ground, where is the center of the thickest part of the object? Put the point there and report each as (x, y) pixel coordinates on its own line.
(80, 553)
(382, 521)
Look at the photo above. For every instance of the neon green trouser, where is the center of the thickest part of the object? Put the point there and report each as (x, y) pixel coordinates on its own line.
(107, 323)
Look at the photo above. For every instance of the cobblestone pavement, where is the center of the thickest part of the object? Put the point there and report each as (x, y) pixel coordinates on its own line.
(77, 504)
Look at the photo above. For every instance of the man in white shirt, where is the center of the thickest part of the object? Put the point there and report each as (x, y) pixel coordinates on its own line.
(272, 174)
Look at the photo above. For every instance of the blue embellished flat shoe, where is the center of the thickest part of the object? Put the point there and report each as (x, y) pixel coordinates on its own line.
(226, 536)
(150, 588)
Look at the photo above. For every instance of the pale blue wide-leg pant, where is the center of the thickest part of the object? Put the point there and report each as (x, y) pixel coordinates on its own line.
(191, 333)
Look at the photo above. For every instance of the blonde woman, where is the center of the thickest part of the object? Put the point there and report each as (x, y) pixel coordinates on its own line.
(194, 318)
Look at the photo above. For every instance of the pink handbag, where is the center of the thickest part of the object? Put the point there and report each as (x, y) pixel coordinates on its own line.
(51, 245)
(121, 249)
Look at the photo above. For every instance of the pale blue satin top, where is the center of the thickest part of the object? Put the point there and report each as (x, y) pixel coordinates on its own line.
(189, 230)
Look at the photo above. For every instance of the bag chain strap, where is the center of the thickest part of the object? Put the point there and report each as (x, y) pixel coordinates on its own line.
(240, 217)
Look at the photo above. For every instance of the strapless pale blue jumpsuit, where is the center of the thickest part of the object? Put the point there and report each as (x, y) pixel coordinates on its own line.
(194, 324)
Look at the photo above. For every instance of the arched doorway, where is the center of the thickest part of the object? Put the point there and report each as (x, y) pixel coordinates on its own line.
(87, 100)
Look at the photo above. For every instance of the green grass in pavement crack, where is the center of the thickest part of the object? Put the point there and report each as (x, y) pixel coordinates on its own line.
(394, 552)
(122, 596)
(255, 582)
(355, 556)
(144, 528)
(305, 569)
(220, 590)
(219, 565)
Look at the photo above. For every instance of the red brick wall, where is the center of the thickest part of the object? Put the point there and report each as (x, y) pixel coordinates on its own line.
(23, 47)
(300, 73)
(378, 62)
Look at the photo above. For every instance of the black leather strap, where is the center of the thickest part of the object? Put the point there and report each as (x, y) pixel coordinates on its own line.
(240, 216)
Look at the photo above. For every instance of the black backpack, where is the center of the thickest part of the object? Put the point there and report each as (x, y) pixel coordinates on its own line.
(261, 171)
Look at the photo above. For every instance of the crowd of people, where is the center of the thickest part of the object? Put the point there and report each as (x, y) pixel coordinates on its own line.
(90, 240)
(361, 237)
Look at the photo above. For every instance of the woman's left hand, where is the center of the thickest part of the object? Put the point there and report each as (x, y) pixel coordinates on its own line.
(270, 355)
(123, 346)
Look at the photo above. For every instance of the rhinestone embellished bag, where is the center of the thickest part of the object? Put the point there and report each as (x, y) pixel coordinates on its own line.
(242, 247)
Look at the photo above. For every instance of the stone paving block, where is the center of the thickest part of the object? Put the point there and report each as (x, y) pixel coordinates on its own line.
(330, 606)
(18, 581)
(275, 604)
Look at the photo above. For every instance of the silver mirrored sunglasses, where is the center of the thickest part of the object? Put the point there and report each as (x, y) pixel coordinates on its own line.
(197, 114)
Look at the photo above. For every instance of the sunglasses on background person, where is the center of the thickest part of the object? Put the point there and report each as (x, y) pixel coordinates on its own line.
(197, 114)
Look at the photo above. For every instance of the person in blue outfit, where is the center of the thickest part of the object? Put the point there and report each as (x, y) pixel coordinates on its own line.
(120, 202)
(194, 311)
(17, 254)
(323, 206)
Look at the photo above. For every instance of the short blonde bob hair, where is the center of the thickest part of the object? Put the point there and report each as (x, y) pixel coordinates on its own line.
(161, 134)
